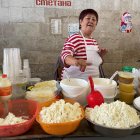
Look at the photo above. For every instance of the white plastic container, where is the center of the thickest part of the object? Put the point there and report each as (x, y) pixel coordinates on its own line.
(76, 89)
(111, 99)
(81, 98)
(73, 86)
(33, 81)
(26, 69)
(107, 89)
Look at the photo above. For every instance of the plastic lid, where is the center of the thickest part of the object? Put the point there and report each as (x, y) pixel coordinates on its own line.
(4, 75)
(35, 80)
(127, 68)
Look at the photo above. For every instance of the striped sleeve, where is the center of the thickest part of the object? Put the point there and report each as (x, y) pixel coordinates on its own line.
(68, 48)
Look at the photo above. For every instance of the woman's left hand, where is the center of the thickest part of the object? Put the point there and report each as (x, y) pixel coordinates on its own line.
(102, 51)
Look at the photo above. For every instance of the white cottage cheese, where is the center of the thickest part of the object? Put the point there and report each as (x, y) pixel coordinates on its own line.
(60, 111)
(11, 119)
(117, 115)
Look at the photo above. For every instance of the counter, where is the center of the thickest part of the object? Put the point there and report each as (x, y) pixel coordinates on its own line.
(84, 132)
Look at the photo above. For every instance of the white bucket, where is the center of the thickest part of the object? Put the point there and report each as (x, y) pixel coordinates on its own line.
(107, 89)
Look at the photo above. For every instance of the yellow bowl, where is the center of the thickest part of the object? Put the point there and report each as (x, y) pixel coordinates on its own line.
(59, 128)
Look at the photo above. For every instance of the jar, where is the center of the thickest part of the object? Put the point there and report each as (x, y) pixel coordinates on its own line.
(5, 87)
(127, 97)
(126, 87)
(125, 77)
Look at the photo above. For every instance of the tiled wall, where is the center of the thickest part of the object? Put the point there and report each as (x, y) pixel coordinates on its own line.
(27, 26)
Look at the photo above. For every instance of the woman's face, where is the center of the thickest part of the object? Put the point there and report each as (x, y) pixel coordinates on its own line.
(88, 23)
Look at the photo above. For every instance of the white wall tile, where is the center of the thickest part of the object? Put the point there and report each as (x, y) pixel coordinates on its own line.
(15, 14)
(33, 15)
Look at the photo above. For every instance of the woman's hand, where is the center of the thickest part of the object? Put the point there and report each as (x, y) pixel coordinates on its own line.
(102, 51)
(81, 63)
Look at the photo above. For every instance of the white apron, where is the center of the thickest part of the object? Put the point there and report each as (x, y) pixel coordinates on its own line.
(93, 58)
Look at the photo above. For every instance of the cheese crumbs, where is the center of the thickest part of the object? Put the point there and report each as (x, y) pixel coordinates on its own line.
(61, 111)
(116, 114)
(11, 119)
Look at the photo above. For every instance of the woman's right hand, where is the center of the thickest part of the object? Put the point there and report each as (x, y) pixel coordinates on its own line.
(81, 63)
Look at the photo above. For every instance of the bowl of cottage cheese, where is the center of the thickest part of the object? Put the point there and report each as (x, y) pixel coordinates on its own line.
(116, 119)
(60, 117)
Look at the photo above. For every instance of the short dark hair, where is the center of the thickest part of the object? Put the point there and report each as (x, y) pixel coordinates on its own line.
(86, 12)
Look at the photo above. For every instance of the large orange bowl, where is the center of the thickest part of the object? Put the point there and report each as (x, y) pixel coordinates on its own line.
(59, 128)
(20, 107)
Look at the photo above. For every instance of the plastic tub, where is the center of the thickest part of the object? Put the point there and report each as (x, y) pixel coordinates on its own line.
(44, 94)
(19, 108)
(126, 77)
(33, 81)
(127, 97)
(41, 99)
(126, 87)
(108, 90)
(44, 91)
(111, 99)
(74, 87)
(79, 98)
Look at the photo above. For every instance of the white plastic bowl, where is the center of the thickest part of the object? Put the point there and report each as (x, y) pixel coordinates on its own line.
(111, 99)
(108, 90)
(79, 98)
(76, 89)
(74, 86)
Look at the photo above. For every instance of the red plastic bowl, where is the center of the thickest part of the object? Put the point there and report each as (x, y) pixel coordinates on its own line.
(20, 107)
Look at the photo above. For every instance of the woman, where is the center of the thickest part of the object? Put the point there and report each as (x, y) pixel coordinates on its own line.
(81, 55)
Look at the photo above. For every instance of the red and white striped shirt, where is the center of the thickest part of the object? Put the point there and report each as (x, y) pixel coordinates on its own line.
(75, 46)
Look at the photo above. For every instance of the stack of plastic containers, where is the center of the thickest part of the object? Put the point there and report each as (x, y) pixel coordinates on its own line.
(19, 86)
(26, 69)
(21, 81)
(126, 87)
(11, 63)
